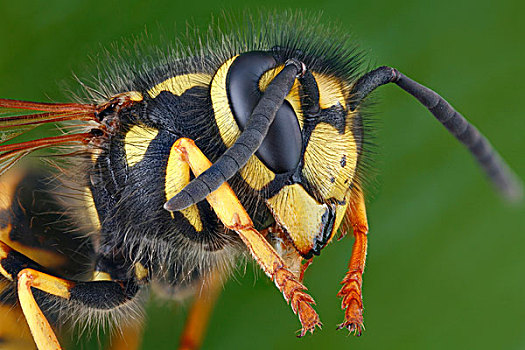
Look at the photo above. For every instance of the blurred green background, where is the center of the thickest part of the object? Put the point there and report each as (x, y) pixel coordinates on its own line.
(446, 260)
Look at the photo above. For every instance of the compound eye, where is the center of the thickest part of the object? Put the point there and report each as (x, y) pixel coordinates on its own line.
(281, 148)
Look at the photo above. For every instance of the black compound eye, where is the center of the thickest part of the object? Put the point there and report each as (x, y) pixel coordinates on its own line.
(281, 149)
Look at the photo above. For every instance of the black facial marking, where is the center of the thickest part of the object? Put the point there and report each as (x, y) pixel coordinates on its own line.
(335, 116)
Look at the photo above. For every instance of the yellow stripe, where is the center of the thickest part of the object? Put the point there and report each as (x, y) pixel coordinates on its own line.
(255, 173)
(180, 83)
(90, 209)
(137, 141)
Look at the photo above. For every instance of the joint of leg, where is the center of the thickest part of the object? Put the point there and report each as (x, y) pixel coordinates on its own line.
(183, 142)
(353, 275)
(26, 277)
(360, 228)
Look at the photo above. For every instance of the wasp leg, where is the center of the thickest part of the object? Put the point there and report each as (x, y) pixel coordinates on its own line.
(200, 313)
(351, 292)
(27, 274)
(232, 214)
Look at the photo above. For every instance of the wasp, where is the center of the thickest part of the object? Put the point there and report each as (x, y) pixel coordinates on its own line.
(253, 143)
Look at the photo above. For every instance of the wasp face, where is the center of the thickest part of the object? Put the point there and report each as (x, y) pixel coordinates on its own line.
(306, 164)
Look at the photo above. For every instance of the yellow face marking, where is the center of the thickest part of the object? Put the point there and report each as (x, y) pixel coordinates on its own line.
(137, 141)
(255, 173)
(330, 161)
(331, 90)
(178, 176)
(180, 83)
(293, 97)
(299, 214)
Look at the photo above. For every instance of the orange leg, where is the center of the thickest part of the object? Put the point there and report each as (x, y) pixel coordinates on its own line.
(233, 215)
(351, 292)
(200, 313)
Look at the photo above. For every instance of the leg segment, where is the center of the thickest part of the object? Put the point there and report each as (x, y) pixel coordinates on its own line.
(96, 294)
(232, 214)
(200, 312)
(351, 292)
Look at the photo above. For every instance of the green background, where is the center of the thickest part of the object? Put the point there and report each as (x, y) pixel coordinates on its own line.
(446, 261)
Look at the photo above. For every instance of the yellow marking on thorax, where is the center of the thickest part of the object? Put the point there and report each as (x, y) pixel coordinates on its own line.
(180, 83)
(178, 176)
(137, 141)
(101, 276)
(92, 215)
(330, 161)
(255, 173)
(331, 90)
